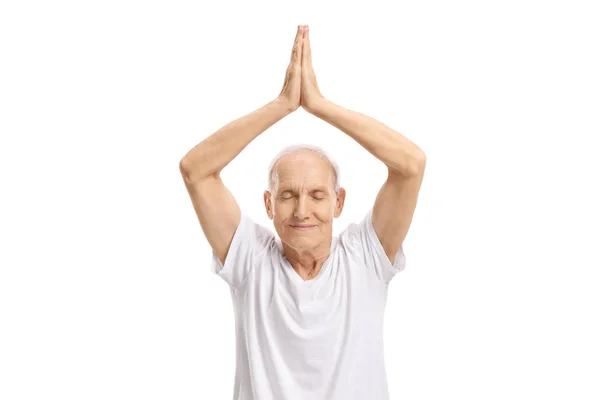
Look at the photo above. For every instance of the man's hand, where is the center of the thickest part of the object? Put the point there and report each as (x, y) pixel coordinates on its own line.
(310, 93)
(290, 93)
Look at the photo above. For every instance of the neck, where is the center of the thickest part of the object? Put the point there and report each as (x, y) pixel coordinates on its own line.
(307, 263)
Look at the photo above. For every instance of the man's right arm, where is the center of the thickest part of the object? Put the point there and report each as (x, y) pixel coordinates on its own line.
(215, 206)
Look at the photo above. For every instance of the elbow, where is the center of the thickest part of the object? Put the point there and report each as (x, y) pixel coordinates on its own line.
(417, 166)
(421, 161)
(192, 172)
(183, 167)
(186, 170)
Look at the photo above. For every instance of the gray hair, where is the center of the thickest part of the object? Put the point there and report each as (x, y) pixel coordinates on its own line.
(299, 147)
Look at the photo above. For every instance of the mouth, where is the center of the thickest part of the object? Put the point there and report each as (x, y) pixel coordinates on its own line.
(303, 227)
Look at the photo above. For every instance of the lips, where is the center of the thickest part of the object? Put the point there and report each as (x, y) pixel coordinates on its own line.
(302, 226)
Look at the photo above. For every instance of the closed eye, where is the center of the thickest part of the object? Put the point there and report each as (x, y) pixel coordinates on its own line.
(292, 196)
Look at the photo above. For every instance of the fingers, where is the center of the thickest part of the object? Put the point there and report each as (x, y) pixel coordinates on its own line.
(297, 49)
(306, 54)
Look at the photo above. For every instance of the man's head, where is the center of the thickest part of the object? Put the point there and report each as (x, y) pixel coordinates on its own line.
(304, 189)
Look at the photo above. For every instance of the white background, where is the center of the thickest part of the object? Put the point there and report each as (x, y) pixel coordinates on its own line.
(106, 290)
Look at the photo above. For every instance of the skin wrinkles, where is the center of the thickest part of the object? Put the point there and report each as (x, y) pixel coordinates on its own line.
(304, 194)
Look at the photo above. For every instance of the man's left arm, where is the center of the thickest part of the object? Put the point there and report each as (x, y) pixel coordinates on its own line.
(397, 199)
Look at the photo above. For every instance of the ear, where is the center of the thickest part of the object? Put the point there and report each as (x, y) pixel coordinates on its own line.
(339, 203)
(268, 204)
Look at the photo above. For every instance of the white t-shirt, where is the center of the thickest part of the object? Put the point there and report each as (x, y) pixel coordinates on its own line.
(319, 339)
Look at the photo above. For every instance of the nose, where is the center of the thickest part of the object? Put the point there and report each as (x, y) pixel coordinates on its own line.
(301, 209)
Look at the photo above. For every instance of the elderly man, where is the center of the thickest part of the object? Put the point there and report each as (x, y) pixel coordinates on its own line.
(308, 306)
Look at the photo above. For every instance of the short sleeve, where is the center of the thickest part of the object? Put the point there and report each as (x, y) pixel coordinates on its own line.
(363, 238)
(248, 246)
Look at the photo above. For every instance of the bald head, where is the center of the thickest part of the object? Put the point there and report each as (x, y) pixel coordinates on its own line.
(300, 162)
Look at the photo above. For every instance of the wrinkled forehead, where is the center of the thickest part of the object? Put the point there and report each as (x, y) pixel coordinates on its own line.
(304, 170)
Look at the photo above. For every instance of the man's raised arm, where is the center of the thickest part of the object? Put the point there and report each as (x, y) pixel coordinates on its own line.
(397, 199)
(216, 208)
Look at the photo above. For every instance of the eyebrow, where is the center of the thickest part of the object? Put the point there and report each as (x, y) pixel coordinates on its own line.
(317, 189)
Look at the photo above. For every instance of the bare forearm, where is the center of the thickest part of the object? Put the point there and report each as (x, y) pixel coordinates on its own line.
(389, 146)
(216, 151)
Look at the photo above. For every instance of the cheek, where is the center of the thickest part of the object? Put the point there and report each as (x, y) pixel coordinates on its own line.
(325, 212)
